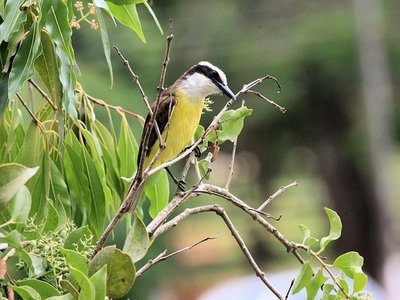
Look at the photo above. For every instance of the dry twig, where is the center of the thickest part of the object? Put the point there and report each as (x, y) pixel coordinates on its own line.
(277, 193)
(163, 256)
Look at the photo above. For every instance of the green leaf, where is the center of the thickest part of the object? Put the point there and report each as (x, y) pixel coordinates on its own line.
(99, 281)
(105, 41)
(63, 297)
(125, 2)
(26, 292)
(153, 16)
(14, 17)
(97, 195)
(315, 284)
(20, 206)
(3, 92)
(22, 67)
(351, 264)
(304, 278)
(57, 24)
(335, 229)
(70, 288)
(128, 16)
(73, 240)
(156, 189)
(204, 165)
(87, 291)
(30, 155)
(137, 241)
(53, 218)
(44, 289)
(47, 68)
(121, 271)
(76, 260)
(127, 149)
(343, 284)
(58, 187)
(13, 239)
(12, 178)
(76, 179)
(326, 291)
(232, 122)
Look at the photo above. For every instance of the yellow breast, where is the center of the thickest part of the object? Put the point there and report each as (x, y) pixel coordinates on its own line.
(177, 135)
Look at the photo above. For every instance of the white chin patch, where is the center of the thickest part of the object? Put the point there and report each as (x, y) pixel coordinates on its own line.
(199, 86)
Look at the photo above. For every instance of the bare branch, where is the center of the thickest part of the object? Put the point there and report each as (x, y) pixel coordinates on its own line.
(258, 94)
(163, 256)
(221, 212)
(172, 205)
(255, 214)
(277, 193)
(35, 119)
(41, 92)
(119, 109)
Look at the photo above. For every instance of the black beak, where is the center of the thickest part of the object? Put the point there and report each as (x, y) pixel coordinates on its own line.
(225, 89)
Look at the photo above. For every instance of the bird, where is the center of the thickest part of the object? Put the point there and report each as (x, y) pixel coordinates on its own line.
(178, 115)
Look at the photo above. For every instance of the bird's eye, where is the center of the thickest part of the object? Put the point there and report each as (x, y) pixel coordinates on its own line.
(214, 75)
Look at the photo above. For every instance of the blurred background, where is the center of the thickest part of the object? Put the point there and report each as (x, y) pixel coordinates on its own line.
(339, 66)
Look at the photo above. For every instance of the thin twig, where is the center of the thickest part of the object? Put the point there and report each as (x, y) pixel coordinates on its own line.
(221, 212)
(44, 95)
(171, 206)
(290, 287)
(35, 119)
(231, 165)
(119, 109)
(163, 256)
(277, 193)
(256, 216)
(258, 94)
(323, 264)
(152, 113)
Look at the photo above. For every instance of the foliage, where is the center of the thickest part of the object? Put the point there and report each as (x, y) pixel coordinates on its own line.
(62, 171)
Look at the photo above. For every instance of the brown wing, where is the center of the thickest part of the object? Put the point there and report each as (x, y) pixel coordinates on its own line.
(164, 111)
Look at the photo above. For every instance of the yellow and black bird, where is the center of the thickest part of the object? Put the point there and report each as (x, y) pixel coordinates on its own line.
(179, 112)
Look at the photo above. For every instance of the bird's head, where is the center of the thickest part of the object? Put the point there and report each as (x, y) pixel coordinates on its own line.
(205, 79)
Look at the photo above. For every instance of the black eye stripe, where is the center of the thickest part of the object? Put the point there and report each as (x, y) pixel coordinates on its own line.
(206, 71)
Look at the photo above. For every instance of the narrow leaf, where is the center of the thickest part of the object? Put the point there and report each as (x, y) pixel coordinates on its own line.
(53, 218)
(20, 206)
(14, 17)
(57, 24)
(127, 149)
(12, 178)
(87, 291)
(3, 92)
(157, 190)
(105, 41)
(47, 68)
(22, 68)
(99, 281)
(153, 15)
